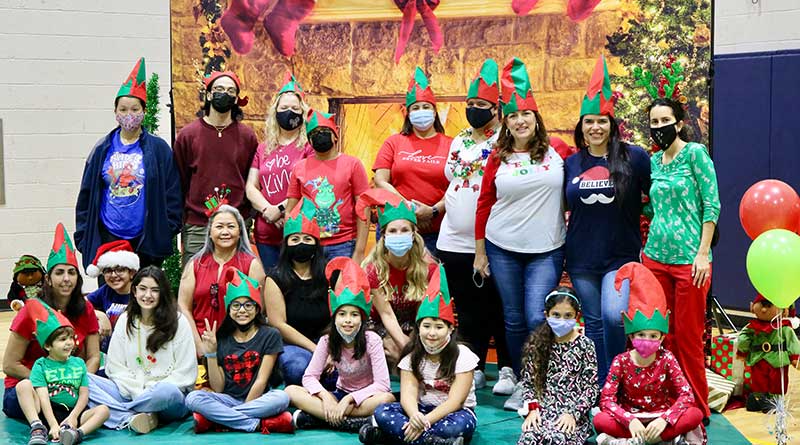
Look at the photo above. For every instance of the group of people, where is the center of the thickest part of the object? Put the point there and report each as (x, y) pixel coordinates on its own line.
(312, 310)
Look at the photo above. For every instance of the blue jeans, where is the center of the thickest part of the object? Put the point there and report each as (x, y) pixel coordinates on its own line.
(268, 255)
(341, 249)
(390, 418)
(430, 242)
(11, 404)
(234, 413)
(293, 362)
(601, 305)
(523, 280)
(164, 399)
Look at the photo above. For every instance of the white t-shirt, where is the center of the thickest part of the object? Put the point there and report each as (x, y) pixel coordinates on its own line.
(464, 170)
(433, 391)
(528, 216)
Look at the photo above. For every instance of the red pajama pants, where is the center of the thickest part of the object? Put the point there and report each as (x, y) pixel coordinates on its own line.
(687, 306)
(767, 379)
(605, 423)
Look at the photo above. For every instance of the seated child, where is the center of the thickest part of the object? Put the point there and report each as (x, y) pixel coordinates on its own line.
(57, 390)
(646, 398)
(27, 282)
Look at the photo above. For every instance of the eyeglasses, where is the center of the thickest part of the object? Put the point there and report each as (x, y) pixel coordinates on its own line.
(248, 306)
(219, 89)
(214, 292)
(119, 270)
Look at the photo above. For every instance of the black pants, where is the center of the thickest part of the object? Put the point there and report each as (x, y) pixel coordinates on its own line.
(144, 259)
(480, 311)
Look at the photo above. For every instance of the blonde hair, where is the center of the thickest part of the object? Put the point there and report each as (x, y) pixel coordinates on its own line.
(272, 129)
(416, 273)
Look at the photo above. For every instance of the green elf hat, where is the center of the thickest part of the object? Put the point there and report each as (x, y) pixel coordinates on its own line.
(352, 287)
(240, 285)
(419, 89)
(290, 85)
(599, 98)
(390, 206)
(62, 252)
(437, 302)
(318, 119)
(28, 262)
(136, 83)
(486, 84)
(47, 320)
(302, 219)
(516, 87)
(647, 304)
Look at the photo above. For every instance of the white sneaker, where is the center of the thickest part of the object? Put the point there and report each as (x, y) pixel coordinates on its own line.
(505, 382)
(515, 401)
(143, 423)
(479, 378)
(603, 439)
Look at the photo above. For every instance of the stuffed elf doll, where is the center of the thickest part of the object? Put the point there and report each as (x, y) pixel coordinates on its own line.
(27, 282)
(768, 349)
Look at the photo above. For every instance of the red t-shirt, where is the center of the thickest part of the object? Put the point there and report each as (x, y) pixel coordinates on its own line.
(274, 169)
(417, 167)
(23, 324)
(404, 310)
(205, 276)
(334, 186)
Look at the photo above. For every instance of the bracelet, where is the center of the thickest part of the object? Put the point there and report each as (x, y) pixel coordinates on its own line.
(210, 355)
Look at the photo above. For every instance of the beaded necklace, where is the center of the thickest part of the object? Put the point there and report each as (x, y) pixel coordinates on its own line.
(464, 169)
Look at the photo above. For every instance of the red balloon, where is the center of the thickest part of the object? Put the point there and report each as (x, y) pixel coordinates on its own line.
(769, 204)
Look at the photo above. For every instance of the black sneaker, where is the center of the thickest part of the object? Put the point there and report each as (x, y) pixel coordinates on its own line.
(369, 434)
(305, 421)
(38, 434)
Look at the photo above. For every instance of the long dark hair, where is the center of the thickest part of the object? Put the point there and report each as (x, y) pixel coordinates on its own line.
(447, 358)
(229, 325)
(537, 145)
(165, 315)
(408, 128)
(336, 342)
(619, 162)
(76, 305)
(536, 352)
(677, 111)
(283, 272)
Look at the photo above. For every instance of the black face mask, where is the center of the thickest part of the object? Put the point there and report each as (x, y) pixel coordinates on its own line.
(289, 120)
(302, 252)
(245, 327)
(664, 136)
(322, 141)
(479, 117)
(222, 102)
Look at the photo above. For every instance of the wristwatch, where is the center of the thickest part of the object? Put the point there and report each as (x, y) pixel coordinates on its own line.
(281, 208)
(434, 211)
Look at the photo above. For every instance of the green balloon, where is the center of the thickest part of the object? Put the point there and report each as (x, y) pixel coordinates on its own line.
(773, 265)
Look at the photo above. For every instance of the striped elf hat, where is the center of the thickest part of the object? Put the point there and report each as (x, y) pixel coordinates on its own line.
(437, 302)
(516, 88)
(599, 98)
(352, 287)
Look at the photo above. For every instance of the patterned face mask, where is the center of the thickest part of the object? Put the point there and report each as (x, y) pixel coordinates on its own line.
(130, 121)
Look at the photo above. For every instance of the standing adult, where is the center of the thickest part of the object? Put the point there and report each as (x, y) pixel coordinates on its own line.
(605, 182)
(411, 163)
(130, 189)
(685, 208)
(268, 181)
(524, 248)
(480, 312)
(333, 181)
(62, 292)
(214, 154)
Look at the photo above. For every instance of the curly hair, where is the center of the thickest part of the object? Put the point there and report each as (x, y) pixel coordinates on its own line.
(416, 274)
(537, 146)
(272, 129)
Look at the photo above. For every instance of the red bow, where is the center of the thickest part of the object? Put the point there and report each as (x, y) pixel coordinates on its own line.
(410, 9)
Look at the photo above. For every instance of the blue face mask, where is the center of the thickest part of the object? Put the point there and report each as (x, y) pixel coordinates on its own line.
(422, 119)
(400, 244)
(561, 326)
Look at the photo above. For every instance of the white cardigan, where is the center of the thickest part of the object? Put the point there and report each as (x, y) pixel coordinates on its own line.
(175, 362)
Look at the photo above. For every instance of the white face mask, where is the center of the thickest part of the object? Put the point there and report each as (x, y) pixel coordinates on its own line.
(437, 349)
(348, 338)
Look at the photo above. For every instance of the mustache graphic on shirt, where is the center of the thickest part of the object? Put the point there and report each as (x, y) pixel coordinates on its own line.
(597, 197)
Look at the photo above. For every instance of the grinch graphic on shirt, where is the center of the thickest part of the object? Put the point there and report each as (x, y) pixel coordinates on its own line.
(327, 203)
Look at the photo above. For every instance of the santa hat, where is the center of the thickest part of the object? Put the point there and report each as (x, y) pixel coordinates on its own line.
(437, 302)
(239, 285)
(47, 320)
(599, 98)
(209, 80)
(302, 219)
(290, 85)
(318, 119)
(63, 251)
(352, 287)
(390, 206)
(419, 89)
(486, 84)
(647, 304)
(516, 88)
(113, 254)
(136, 83)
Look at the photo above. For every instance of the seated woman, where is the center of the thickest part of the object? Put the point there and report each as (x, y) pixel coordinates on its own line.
(117, 262)
(397, 268)
(241, 356)
(62, 292)
(295, 292)
(150, 362)
(202, 291)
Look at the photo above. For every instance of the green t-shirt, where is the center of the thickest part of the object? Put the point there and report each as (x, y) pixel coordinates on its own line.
(683, 196)
(62, 379)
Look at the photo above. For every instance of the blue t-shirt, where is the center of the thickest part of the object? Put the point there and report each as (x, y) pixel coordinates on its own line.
(106, 300)
(602, 235)
(122, 206)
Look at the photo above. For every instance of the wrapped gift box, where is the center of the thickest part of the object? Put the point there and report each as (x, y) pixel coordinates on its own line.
(725, 363)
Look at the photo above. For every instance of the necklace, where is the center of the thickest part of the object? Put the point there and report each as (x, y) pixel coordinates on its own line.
(464, 169)
(220, 128)
(145, 362)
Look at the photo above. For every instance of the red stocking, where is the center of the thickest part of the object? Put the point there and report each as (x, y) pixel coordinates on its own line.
(282, 22)
(238, 22)
(578, 10)
(522, 7)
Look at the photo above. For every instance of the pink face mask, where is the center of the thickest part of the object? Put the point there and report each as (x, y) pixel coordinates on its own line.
(645, 347)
